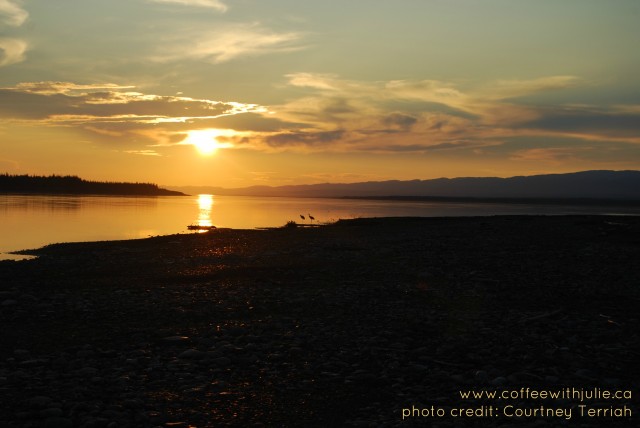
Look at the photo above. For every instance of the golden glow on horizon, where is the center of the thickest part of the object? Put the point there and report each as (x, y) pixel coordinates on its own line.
(206, 140)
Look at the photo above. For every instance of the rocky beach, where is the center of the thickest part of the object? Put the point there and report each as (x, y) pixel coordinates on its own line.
(361, 323)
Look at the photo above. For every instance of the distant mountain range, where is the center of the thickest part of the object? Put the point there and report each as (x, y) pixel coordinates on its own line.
(586, 185)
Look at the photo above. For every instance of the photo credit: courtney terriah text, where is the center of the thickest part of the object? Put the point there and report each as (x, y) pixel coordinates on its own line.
(530, 403)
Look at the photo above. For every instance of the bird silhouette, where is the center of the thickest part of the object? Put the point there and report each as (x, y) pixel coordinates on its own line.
(311, 218)
(302, 217)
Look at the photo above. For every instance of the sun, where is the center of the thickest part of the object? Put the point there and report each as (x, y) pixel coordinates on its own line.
(206, 140)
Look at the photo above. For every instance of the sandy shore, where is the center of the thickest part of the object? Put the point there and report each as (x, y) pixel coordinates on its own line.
(343, 325)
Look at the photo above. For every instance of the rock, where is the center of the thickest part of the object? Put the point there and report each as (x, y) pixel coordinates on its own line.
(251, 346)
(85, 353)
(481, 376)
(6, 295)
(87, 372)
(611, 382)
(222, 362)
(156, 418)
(205, 342)
(57, 422)
(53, 412)
(132, 404)
(60, 363)
(295, 351)
(34, 363)
(457, 378)
(112, 414)
(499, 381)
(418, 369)
(174, 340)
(39, 402)
(585, 374)
(109, 353)
(21, 354)
(9, 302)
(96, 423)
(192, 354)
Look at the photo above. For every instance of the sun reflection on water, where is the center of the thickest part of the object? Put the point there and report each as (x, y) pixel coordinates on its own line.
(205, 204)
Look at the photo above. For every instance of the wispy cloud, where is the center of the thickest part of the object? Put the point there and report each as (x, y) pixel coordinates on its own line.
(66, 88)
(11, 13)
(113, 112)
(228, 43)
(614, 121)
(70, 102)
(398, 120)
(505, 89)
(306, 139)
(12, 51)
(213, 4)
(428, 115)
(486, 100)
(143, 152)
(337, 115)
(9, 165)
(553, 155)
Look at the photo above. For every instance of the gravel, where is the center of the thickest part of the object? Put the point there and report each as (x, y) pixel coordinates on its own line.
(341, 325)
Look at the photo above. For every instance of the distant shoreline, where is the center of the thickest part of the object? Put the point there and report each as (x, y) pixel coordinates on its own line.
(582, 187)
(533, 201)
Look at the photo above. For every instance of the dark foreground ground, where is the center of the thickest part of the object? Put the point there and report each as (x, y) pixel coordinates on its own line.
(342, 325)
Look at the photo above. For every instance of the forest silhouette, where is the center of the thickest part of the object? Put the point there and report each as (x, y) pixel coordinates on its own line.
(69, 184)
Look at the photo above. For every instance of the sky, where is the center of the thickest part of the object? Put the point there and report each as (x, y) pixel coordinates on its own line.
(237, 93)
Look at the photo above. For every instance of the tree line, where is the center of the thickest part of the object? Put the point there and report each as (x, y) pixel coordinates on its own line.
(71, 184)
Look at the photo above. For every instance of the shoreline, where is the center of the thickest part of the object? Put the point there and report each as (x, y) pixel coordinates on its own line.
(344, 325)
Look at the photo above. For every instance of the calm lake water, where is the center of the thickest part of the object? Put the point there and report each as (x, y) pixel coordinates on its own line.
(34, 221)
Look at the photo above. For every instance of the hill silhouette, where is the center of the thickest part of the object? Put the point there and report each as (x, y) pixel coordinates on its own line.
(58, 184)
(585, 185)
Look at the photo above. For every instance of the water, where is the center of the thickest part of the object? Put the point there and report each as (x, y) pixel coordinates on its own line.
(34, 221)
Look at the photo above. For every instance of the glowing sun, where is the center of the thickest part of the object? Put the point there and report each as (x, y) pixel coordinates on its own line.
(206, 140)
